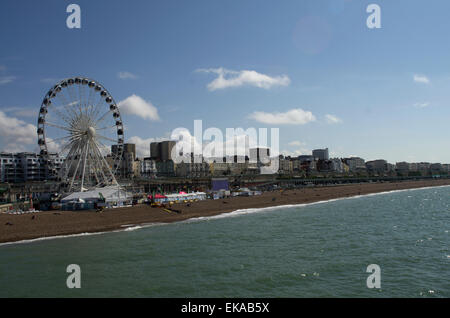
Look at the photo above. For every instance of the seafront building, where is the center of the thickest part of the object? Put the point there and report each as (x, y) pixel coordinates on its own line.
(26, 167)
(192, 170)
(285, 165)
(129, 166)
(403, 168)
(259, 155)
(376, 166)
(321, 154)
(162, 151)
(148, 168)
(355, 164)
(337, 165)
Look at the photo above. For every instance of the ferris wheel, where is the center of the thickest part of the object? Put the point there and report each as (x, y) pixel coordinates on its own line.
(80, 121)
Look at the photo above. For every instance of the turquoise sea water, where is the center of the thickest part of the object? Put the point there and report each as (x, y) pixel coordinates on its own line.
(317, 250)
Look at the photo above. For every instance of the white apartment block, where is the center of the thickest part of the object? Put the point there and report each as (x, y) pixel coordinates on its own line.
(27, 166)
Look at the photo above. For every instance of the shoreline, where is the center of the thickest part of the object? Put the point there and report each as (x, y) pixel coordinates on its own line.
(54, 224)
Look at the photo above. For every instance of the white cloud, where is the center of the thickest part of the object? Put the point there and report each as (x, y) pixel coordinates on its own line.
(332, 119)
(135, 105)
(296, 152)
(297, 148)
(422, 105)
(237, 143)
(229, 78)
(54, 146)
(182, 135)
(292, 117)
(143, 145)
(50, 80)
(21, 111)
(6, 79)
(15, 134)
(296, 143)
(126, 75)
(421, 79)
(187, 143)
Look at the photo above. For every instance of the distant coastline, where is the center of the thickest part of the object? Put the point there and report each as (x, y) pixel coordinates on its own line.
(58, 223)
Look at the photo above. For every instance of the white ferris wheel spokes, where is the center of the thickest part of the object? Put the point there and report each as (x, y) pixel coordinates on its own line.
(80, 121)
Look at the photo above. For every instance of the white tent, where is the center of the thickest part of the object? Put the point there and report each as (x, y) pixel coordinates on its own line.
(180, 197)
(112, 194)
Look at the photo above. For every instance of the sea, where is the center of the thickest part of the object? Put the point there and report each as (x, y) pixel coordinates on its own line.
(324, 249)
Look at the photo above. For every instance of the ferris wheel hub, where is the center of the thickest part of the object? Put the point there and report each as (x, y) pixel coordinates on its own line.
(91, 132)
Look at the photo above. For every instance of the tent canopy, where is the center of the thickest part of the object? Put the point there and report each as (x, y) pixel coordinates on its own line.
(110, 194)
(180, 197)
(157, 196)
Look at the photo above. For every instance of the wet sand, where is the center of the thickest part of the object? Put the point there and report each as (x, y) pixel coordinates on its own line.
(53, 223)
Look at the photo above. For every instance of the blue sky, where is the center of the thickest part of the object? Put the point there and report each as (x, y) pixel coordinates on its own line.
(385, 89)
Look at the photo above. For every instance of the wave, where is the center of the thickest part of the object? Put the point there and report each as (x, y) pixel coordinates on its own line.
(240, 212)
(45, 238)
(125, 228)
(132, 228)
(289, 206)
